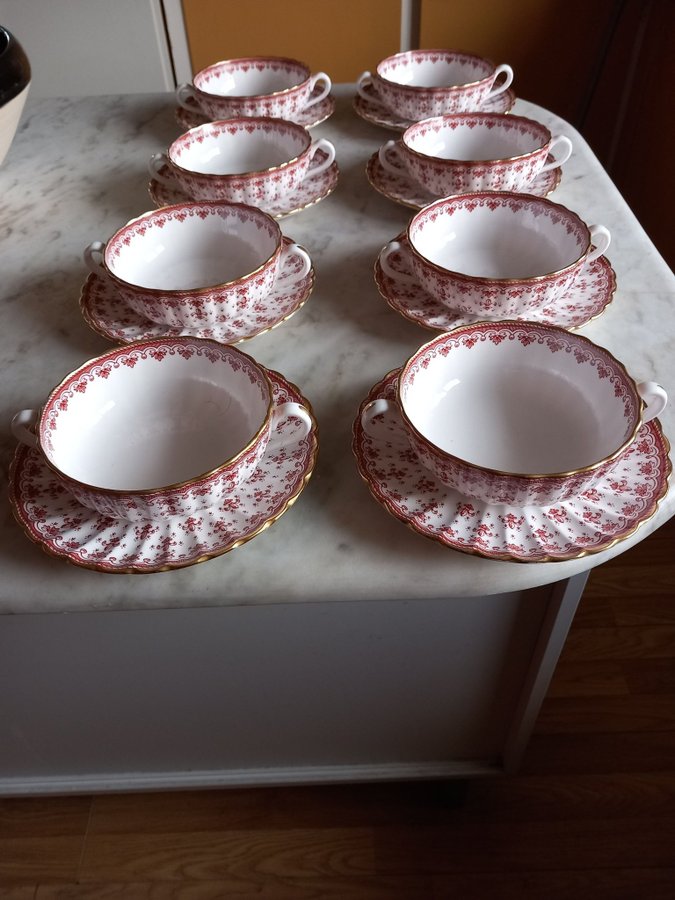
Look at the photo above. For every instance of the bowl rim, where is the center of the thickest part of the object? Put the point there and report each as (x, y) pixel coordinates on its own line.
(252, 59)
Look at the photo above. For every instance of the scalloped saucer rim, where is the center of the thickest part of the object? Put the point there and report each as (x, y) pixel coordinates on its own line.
(408, 193)
(163, 195)
(98, 295)
(376, 113)
(468, 525)
(435, 316)
(308, 118)
(296, 463)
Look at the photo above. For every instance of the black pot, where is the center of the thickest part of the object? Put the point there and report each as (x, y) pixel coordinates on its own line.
(14, 67)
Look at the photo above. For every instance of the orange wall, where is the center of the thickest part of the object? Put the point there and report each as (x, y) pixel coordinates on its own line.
(340, 37)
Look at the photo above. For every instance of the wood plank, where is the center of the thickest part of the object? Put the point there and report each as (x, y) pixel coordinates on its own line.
(600, 884)
(655, 677)
(587, 715)
(249, 855)
(578, 753)
(43, 816)
(594, 678)
(35, 859)
(641, 642)
(487, 846)
(269, 888)
(18, 892)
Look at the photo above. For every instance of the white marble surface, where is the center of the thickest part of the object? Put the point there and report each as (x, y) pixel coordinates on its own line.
(77, 171)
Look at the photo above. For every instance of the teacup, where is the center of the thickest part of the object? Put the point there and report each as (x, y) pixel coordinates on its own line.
(518, 413)
(497, 254)
(475, 152)
(254, 86)
(251, 160)
(418, 84)
(195, 264)
(159, 428)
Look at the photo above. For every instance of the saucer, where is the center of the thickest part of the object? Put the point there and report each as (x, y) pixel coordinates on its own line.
(308, 117)
(594, 521)
(404, 189)
(109, 315)
(313, 189)
(588, 297)
(64, 528)
(376, 113)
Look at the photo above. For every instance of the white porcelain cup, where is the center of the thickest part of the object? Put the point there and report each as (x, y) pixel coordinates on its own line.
(250, 160)
(255, 86)
(497, 254)
(417, 84)
(195, 264)
(475, 152)
(158, 428)
(518, 412)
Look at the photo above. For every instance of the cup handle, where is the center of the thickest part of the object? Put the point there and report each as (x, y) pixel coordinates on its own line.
(93, 257)
(600, 237)
(393, 147)
(327, 147)
(159, 161)
(365, 79)
(391, 248)
(23, 427)
(654, 398)
(297, 250)
(328, 84)
(565, 143)
(376, 408)
(501, 70)
(284, 411)
(184, 93)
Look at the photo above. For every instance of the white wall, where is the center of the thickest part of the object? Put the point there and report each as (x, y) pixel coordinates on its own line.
(80, 47)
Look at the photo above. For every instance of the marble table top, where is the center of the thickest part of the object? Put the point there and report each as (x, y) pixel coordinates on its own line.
(77, 171)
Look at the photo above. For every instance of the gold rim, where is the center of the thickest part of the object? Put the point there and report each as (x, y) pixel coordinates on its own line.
(137, 570)
(253, 59)
(481, 162)
(517, 323)
(474, 551)
(126, 348)
(254, 173)
(374, 159)
(419, 87)
(480, 279)
(213, 204)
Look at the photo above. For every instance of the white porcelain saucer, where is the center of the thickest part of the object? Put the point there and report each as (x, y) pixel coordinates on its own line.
(592, 522)
(404, 189)
(109, 315)
(313, 189)
(588, 298)
(376, 113)
(309, 117)
(64, 528)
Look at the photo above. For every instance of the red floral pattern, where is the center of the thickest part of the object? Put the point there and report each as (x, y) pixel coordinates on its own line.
(52, 517)
(109, 315)
(313, 188)
(308, 117)
(402, 188)
(494, 297)
(587, 523)
(588, 297)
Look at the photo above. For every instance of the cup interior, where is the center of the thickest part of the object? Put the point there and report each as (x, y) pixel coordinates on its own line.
(152, 415)
(191, 246)
(434, 68)
(468, 136)
(520, 399)
(251, 77)
(499, 236)
(237, 147)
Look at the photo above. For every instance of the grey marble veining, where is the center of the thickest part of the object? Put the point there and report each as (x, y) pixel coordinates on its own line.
(77, 171)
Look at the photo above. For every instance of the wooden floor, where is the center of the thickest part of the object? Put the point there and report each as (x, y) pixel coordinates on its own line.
(592, 812)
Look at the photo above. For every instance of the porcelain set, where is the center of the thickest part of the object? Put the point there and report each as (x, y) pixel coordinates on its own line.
(556, 422)
(506, 435)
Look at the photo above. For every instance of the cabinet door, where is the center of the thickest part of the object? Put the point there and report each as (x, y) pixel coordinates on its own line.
(340, 37)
